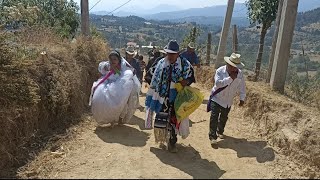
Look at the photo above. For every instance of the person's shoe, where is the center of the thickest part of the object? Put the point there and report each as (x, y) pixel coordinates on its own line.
(221, 136)
(172, 148)
(213, 141)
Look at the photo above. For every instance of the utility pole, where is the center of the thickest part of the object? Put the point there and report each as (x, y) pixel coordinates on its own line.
(224, 35)
(235, 40)
(209, 48)
(85, 17)
(305, 61)
(274, 40)
(282, 52)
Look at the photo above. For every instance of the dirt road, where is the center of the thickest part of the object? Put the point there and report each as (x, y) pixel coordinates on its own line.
(129, 151)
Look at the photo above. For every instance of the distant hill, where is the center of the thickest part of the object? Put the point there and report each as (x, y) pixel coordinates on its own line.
(308, 18)
(239, 10)
(213, 20)
(174, 13)
(138, 11)
(307, 5)
(142, 30)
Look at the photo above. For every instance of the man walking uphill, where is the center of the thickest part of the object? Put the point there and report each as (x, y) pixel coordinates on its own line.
(130, 53)
(191, 55)
(228, 81)
(162, 93)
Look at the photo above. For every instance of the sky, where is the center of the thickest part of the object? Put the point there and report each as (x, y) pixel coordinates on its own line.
(109, 5)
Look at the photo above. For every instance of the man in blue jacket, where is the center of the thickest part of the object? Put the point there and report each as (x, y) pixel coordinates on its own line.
(191, 55)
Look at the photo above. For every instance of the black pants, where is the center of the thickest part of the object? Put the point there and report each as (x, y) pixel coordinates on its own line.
(218, 119)
(173, 136)
(166, 108)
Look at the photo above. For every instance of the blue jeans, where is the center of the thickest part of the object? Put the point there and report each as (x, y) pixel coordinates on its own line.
(218, 119)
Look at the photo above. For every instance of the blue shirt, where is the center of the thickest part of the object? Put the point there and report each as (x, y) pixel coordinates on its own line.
(190, 56)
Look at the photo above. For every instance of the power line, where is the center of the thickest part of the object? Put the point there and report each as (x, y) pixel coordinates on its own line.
(95, 5)
(119, 7)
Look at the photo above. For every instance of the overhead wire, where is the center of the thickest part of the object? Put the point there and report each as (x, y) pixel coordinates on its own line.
(112, 10)
(95, 5)
(119, 7)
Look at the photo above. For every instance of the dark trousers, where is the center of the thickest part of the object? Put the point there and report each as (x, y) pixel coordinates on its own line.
(218, 119)
(173, 136)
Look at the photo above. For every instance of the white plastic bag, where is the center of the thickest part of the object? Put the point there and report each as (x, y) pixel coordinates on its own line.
(184, 128)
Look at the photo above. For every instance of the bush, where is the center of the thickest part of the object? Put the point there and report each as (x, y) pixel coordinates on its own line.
(42, 94)
(304, 90)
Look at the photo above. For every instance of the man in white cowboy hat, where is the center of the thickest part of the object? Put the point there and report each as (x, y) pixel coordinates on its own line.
(130, 53)
(191, 55)
(228, 81)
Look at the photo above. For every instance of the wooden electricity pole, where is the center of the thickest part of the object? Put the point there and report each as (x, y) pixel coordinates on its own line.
(235, 40)
(85, 17)
(209, 48)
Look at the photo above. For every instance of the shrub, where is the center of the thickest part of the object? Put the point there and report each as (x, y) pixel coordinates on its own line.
(42, 94)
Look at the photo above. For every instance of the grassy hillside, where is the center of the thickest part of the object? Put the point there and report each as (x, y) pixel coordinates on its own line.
(45, 86)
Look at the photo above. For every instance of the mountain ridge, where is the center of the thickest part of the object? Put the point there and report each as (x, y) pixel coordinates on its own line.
(173, 12)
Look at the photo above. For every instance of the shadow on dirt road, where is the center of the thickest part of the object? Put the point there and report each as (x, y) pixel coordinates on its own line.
(189, 161)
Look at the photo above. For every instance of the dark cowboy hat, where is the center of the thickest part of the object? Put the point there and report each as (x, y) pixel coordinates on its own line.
(172, 47)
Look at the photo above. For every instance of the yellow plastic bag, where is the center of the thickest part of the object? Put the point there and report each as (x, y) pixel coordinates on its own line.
(187, 101)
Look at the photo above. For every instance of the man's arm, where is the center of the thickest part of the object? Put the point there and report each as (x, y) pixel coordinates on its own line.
(220, 81)
(196, 60)
(189, 78)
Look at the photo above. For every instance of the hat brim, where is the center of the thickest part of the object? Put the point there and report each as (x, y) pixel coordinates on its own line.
(162, 51)
(227, 60)
(191, 47)
(170, 51)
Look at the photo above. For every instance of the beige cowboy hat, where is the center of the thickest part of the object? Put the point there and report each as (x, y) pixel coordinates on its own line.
(234, 60)
(162, 51)
(131, 51)
(191, 45)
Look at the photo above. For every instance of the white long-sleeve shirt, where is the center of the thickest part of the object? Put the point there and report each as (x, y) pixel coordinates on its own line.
(225, 97)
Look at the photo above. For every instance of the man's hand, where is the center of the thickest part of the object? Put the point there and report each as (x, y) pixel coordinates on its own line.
(241, 103)
(184, 82)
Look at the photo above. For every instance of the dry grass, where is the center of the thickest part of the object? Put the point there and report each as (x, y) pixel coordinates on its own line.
(41, 94)
(286, 124)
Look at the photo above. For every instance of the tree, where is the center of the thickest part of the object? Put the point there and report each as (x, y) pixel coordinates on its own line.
(261, 12)
(191, 37)
(59, 14)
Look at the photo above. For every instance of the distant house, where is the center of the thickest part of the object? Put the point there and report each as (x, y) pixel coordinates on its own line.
(108, 20)
(148, 23)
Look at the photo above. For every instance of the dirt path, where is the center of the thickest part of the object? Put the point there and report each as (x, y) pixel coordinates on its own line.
(130, 152)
